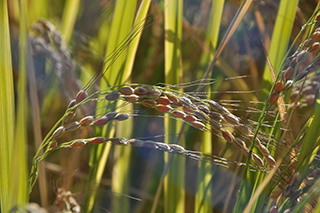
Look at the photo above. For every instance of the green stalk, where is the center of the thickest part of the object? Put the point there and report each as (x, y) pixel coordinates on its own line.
(69, 17)
(308, 198)
(278, 49)
(20, 155)
(280, 39)
(174, 193)
(317, 208)
(310, 147)
(121, 167)
(39, 9)
(120, 28)
(203, 201)
(6, 112)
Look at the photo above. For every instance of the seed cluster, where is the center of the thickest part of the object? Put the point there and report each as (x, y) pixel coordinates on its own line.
(69, 126)
(89, 120)
(47, 41)
(292, 73)
(171, 148)
(293, 192)
(202, 114)
(198, 113)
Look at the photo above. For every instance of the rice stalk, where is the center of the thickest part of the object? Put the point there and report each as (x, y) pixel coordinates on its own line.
(312, 194)
(174, 194)
(310, 28)
(250, 206)
(120, 28)
(203, 200)
(121, 167)
(317, 209)
(310, 145)
(285, 119)
(6, 113)
(69, 17)
(38, 9)
(204, 195)
(36, 124)
(99, 154)
(68, 20)
(121, 155)
(20, 160)
(279, 43)
(260, 190)
(280, 39)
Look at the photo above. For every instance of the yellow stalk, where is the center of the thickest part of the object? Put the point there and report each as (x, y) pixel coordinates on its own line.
(174, 193)
(20, 155)
(69, 18)
(6, 112)
(203, 201)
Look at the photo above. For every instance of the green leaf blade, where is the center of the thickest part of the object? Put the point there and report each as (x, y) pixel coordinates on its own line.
(6, 112)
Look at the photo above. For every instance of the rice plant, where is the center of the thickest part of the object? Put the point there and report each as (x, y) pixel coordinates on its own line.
(140, 106)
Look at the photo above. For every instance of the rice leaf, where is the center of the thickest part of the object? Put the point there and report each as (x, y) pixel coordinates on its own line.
(260, 189)
(36, 124)
(6, 113)
(203, 201)
(69, 17)
(313, 193)
(39, 9)
(121, 25)
(279, 43)
(20, 160)
(310, 146)
(280, 39)
(121, 167)
(140, 18)
(174, 194)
